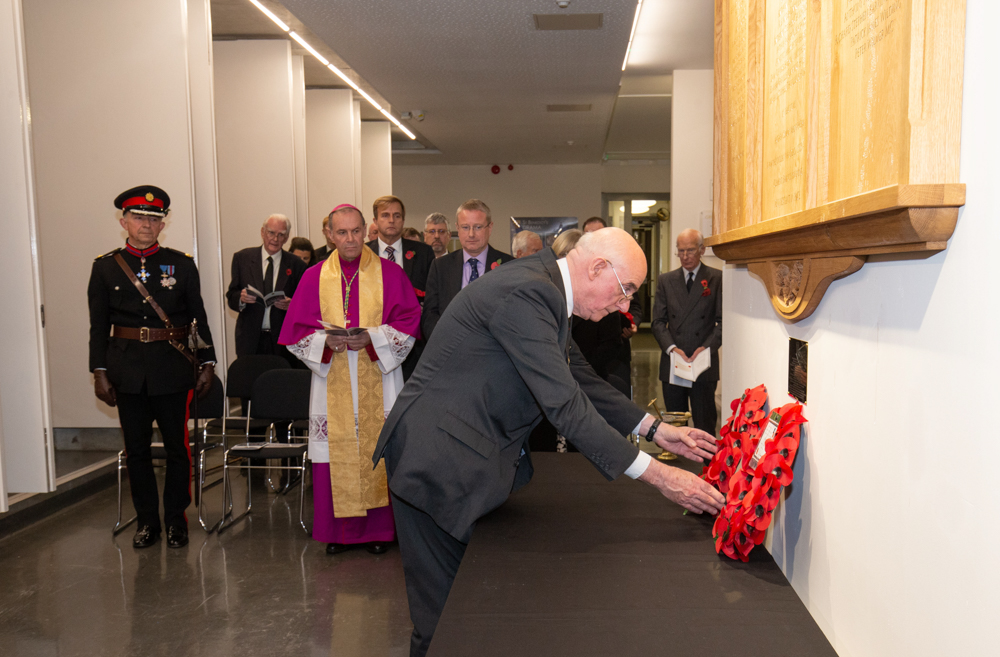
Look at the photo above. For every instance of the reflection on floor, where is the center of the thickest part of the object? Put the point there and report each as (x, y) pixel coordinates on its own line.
(262, 588)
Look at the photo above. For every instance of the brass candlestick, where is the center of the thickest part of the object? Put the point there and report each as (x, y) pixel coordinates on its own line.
(676, 419)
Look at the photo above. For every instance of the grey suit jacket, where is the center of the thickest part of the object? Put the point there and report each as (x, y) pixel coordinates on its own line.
(689, 319)
(455, 443)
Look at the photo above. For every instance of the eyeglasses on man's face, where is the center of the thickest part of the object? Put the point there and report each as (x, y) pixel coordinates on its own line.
(625, 295)
(686, 252)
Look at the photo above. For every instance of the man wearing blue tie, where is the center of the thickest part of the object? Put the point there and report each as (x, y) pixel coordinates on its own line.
(451, 273)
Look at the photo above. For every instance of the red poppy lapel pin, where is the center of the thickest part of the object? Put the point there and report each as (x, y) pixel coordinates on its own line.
(288, 272)
(704, 288)
(494, 265)
(409, 255)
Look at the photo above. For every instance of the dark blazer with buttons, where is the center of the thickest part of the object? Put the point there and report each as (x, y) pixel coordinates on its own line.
(247, 270)
(444, 281)
(134, 366)
(689, 319)
(415, 259)
(501, 357)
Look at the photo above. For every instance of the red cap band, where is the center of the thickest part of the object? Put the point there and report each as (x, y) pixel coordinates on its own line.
(141, 200)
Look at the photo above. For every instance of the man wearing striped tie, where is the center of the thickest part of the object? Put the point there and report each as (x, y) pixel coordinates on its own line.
(414, 257)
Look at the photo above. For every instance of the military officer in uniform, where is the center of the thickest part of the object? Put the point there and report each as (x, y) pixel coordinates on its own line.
(143, 364)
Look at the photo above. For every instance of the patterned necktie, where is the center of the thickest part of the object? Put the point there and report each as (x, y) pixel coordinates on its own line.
(475, 269)
(389, 254)
(690, 280)
(269, 276)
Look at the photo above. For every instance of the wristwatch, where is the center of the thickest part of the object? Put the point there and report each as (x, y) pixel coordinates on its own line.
(652, 430)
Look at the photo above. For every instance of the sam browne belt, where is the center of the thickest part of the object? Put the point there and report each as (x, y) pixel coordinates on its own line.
(146, 334)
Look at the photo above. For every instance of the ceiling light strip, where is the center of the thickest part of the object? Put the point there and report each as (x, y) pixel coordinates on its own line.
(267, 12)
(340, 74)
(635, 21)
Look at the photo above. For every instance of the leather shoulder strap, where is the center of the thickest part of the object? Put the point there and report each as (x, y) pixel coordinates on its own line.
(142, 290)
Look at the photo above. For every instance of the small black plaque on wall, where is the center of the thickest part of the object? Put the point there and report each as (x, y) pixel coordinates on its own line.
(798, 368)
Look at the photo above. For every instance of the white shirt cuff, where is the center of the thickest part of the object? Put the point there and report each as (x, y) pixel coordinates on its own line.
(670, 348)
(639, 465)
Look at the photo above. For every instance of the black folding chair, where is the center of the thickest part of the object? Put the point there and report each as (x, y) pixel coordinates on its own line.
(240, 377)
(277, 396)
(212, 406)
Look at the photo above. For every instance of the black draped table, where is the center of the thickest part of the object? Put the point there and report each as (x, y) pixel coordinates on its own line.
(574, 565)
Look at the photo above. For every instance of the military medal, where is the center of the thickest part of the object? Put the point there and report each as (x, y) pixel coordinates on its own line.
(167, 279)
(143, 274)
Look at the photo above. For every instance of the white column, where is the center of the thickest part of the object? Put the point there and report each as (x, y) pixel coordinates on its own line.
(26, 464)
(108, 113)
(330, 150)
(356, 150)
(376, 162)
(690, 161)
(301, 226)
(255, 144)
(208, 246)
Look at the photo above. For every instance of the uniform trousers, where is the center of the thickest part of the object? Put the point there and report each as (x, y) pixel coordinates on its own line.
(136, 413)
(702, 397)
(431, 557)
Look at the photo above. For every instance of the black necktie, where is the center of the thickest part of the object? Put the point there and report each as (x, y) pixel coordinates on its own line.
(690, 280)
(389, 254)
(269, 276)
(475, 270)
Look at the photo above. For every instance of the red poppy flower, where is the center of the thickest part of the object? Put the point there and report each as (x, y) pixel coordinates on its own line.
(774, 465)
(494, 265)
(288, 272)
(409, 255)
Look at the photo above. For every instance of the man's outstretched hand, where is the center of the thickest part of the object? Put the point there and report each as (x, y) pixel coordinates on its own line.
(684, 488)
(690, 443)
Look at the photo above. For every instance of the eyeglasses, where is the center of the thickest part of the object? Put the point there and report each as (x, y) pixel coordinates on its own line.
(683, 252)
(473, 228)
(627, 297)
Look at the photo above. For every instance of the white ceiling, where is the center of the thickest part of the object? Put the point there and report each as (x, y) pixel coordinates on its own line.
(483, 74)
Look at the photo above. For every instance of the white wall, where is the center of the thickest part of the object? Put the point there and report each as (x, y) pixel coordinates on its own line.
(255, 140)
(632, 178)
(376, 163)
(25, 463)
(691, 161)
(555, 190)
(92, 140)
(329, 143)
(301, 225)
(889, 533)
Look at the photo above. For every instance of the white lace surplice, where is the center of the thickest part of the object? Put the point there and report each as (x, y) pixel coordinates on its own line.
(391, 347)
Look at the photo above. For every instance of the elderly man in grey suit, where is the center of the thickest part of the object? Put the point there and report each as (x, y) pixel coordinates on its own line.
(687, 318)
(501, 357)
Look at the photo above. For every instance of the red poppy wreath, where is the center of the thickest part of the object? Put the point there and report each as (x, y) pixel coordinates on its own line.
(751, 467)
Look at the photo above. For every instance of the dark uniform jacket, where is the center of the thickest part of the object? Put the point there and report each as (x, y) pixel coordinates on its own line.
(455, 442)
(689, 319)
(445, 281)
(114, 300)
(248, 270)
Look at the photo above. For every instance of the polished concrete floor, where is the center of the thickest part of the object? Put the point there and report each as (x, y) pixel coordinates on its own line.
(263, 588)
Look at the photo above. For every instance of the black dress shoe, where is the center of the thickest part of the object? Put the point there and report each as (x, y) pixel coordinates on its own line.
(177, 537)
(377, 548)
(144, 537)
(337, 548)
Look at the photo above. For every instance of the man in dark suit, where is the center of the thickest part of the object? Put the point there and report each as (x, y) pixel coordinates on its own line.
(414, 257)
(143, 364)
(687, 319)
(502, 357)
(451, 273)
(323, 252)
(265, 268)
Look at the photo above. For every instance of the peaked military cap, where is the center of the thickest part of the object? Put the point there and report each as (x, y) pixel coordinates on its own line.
(144, 199)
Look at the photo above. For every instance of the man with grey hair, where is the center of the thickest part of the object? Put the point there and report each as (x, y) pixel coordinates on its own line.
(525, 243)
(437, 234)
(687, 320)
(450, 274)
(263, 281)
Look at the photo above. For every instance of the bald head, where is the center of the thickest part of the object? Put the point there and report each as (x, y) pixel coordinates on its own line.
(603, 263)
(525, 243)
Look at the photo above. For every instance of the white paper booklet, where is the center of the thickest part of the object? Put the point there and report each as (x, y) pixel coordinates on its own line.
(683, 373)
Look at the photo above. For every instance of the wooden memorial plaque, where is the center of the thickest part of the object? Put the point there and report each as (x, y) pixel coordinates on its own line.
(837, 128)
